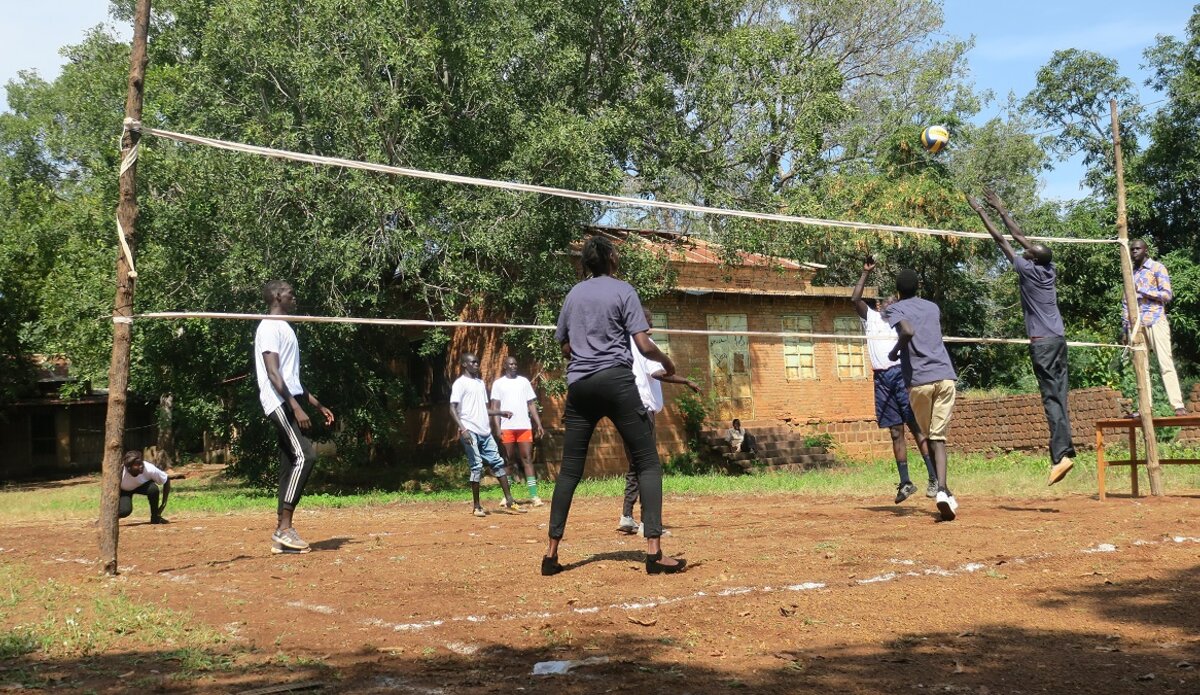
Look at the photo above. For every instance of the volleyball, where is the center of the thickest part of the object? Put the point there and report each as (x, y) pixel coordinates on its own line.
(935, 138)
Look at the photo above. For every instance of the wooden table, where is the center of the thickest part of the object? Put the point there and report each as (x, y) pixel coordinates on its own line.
(1132, 424)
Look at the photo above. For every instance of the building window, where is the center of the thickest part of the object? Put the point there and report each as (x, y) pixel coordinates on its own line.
(798, 359)
(42, 434)
(662, 340)
(851, 360)
(428, 375)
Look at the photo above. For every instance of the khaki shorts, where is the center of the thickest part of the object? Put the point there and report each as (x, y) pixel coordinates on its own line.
(931, 404)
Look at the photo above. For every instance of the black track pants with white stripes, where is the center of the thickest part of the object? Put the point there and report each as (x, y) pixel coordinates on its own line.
(295, 457)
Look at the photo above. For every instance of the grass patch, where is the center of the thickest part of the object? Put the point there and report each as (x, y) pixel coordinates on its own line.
(1009, 475)
(62, 621)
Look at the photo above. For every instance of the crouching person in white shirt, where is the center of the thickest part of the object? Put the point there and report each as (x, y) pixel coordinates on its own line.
(140, 477)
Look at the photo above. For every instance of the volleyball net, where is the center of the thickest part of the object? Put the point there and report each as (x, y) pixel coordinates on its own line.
(583, 196)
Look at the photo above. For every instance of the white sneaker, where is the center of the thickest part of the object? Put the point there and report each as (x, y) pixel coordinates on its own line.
(947, 505)
(628, 525)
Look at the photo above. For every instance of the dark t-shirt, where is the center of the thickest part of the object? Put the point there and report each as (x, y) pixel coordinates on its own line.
(597, 319)
(1039, 298)
(924, 360)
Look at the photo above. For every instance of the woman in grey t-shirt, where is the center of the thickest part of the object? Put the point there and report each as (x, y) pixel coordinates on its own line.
(594, 328)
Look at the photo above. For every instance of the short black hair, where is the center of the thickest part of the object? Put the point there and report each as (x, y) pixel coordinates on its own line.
(1042, 254)
(906, 283)
(270, 289)
(597, 255)
(462, 359)
(737, 421)
(131, 457)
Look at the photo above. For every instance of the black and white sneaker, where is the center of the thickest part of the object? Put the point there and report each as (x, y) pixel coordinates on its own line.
(904, 491)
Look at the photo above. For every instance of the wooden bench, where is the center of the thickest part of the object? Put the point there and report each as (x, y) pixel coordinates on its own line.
(1132, 424)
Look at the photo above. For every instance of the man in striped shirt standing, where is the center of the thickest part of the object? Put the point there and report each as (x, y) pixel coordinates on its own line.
(1153, 287)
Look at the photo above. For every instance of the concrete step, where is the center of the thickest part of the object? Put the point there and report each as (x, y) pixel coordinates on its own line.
(766, 453)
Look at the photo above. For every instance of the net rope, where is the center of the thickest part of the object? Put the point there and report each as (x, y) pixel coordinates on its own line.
(576, 195)
(421, 323)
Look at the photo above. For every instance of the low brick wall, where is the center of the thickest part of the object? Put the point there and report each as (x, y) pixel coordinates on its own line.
(1005, 423)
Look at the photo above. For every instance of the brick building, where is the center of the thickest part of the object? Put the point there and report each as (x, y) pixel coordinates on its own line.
(762, 380)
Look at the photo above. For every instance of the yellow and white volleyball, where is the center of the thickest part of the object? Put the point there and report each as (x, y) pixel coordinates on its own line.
(935, 138)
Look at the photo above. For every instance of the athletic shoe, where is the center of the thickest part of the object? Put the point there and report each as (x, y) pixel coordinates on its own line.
(628, 525)
(1059, 470)
(514, 507)
(904, 491)
(537, 502)
(931, 489)
(1181, 412)
(289, 539)
(278, 549)
(947, 505)
(480, 512)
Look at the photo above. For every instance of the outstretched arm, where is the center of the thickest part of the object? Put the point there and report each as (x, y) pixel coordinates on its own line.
(676, 379)
(1013, 228)
(991, 228)
(856, 297)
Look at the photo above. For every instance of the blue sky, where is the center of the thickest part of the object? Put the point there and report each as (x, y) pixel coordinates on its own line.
(1013, 39)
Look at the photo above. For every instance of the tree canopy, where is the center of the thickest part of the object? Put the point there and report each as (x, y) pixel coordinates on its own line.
(812, 107)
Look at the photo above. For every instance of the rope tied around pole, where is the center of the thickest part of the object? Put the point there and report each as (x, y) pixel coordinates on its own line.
(128, 126)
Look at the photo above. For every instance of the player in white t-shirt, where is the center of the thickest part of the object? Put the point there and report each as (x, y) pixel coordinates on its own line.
(648, 375)
(892, 409)
(469, 408)
(514, 393)
(277, 365)
(140, 477)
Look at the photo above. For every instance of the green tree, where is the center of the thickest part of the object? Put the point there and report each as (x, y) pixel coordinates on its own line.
(1072, 98)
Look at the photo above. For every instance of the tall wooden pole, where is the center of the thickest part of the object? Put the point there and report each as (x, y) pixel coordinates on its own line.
(1141, 358)
(118, 370)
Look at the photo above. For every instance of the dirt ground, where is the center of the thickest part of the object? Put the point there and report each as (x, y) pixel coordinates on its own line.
(784, 595)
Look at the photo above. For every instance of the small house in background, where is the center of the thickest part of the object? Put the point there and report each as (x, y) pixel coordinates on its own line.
(786, 384)
(46, 436)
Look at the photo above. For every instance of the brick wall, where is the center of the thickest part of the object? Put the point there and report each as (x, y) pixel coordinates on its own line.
(773, 396)
(1005, 423)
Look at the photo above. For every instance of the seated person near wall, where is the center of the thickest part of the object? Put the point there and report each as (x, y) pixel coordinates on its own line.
(140, 477)
(740, 439)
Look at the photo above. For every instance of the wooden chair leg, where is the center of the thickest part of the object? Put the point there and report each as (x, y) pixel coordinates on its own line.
(1133, 461)
(1101, 464)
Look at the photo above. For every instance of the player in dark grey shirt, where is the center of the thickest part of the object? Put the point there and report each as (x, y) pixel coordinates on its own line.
(599, 318)
(1036, 277)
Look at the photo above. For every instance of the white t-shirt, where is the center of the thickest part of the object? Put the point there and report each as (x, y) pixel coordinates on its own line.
(472, 395)
(276, 335)
(514, 395)
(149, 472)
(876, 348)
(649, 388)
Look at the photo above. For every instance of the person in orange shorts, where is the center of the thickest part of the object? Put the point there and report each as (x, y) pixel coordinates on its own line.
(513, 393)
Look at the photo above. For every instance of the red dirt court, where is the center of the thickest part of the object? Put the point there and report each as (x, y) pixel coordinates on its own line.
(785, 595)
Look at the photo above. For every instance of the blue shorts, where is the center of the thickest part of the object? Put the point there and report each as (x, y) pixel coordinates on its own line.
(480, 449)
(891, 398)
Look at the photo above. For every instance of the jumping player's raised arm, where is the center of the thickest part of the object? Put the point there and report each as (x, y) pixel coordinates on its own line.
(856, 297)
(991, 229)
